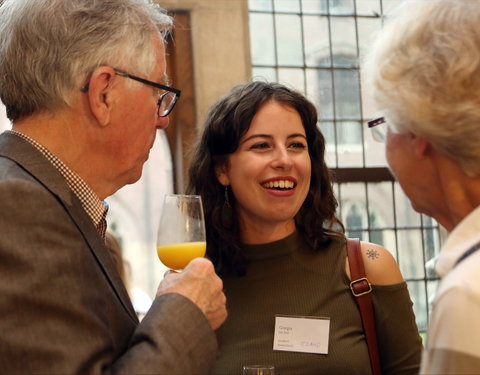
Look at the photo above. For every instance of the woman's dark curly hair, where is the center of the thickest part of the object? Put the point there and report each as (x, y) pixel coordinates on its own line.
(228, 120)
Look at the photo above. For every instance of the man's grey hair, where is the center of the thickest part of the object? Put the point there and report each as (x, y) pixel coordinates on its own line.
(424, 73)
(49, 48)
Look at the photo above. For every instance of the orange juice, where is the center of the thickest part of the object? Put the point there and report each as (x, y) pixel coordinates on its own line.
(176, 256)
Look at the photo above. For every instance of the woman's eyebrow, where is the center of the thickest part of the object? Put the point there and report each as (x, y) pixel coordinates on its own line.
(257, 136)
(297, 135)
(253, 136)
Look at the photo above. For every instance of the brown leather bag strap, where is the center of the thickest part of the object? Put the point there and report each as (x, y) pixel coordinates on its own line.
(361, 289)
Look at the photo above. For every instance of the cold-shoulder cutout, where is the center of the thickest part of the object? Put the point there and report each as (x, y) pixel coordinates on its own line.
(380, 266)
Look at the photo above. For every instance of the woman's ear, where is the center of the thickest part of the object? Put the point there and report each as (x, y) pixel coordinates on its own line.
(421, 146)
(221, 173)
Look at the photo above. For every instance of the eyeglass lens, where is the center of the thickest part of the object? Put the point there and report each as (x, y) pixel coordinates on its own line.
(378, 129)
(166, 103)
(379, 133)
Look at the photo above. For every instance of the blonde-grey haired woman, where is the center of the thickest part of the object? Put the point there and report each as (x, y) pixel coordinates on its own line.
(424, 74)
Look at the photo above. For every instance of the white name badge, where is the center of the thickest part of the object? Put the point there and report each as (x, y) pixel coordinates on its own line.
(301, 334)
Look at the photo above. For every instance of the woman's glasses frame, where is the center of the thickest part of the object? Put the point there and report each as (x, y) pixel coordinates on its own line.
(378, 133)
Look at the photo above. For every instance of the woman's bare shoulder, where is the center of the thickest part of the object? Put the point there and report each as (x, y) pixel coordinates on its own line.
(380, 266)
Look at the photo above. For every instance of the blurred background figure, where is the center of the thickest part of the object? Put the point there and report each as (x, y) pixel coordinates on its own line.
(140, 299)
(423, 73)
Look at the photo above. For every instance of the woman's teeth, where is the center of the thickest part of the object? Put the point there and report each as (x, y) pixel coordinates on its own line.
(279, 184)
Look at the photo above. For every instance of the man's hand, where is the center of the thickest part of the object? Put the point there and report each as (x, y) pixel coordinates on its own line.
(199, 283)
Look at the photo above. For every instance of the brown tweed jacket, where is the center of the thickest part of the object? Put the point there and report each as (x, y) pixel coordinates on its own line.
(63, 306)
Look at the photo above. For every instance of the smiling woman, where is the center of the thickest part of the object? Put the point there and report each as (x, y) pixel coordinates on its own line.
(273, 235)
(273, 153)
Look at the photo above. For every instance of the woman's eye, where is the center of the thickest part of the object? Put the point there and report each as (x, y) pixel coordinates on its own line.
(259, 145)
(299, 145)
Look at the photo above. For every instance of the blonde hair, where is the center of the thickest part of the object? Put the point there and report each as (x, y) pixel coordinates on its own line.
(424, 73)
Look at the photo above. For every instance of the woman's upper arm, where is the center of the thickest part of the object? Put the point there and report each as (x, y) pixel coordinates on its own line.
(380, 266)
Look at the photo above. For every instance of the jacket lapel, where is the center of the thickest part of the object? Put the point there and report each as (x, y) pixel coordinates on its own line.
(32, 160)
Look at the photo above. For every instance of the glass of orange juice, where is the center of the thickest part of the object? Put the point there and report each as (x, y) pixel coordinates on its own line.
(181, 232)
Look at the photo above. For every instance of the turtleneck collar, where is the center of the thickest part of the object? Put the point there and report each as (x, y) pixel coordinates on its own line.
(274, 249)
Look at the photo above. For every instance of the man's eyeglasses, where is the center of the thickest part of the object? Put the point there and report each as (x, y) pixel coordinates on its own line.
(165, 102)
(378, 132)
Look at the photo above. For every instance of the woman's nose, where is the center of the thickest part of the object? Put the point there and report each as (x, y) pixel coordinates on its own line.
(282, 159)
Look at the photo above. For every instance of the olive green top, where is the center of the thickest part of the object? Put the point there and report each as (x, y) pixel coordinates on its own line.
(286, 278)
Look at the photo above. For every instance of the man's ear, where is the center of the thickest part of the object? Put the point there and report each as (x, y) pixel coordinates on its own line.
(221, 173)
(100, 94)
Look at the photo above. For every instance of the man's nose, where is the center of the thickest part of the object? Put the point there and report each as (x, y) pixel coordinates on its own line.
(162, 122)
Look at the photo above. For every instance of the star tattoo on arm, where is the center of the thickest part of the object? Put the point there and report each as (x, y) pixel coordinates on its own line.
(372, 254)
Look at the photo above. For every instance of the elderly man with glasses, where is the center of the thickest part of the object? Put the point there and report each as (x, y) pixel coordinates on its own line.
(84, 85)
